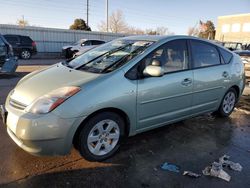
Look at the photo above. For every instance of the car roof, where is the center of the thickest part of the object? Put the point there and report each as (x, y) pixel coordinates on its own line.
(16, 35)
(90, 39)
(146, 37)
(158, 38)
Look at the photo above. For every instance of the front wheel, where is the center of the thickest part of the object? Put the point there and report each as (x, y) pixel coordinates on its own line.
(228, 103)
(101, 136)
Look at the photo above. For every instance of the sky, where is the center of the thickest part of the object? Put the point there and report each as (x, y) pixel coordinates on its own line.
(176, 15)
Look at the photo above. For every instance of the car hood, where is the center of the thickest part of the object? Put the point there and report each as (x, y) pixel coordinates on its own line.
(42, 82)
(66, 47)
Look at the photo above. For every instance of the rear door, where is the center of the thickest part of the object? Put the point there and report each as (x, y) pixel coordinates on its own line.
(167, 98)
(15, 43)
(211, 76)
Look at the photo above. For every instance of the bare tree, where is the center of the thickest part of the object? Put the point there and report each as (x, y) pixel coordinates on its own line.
(207, 30)
(117, 23)
(159, 31)
(21, 22)
(193, 31)
(135, 31)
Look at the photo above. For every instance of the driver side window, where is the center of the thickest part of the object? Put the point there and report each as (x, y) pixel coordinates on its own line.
(172, 56)
(2, 48)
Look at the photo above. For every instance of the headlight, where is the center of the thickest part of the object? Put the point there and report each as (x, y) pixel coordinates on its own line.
(50, 101)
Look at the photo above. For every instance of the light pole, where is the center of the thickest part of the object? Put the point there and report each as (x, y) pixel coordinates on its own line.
(107, 15)
(87, 12)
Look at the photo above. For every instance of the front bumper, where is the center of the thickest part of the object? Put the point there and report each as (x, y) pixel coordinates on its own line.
(45, 134)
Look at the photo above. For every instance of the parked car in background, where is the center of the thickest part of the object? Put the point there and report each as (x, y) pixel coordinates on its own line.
(119, 89)
(233, 45)
(23, 46)
(5, 50)
(244, 54)
(80, 46)
(8, 62)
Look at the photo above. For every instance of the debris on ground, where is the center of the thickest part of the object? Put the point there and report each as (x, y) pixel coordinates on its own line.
(170, 167)
(224, 160)
(191, 174)
(216, 170)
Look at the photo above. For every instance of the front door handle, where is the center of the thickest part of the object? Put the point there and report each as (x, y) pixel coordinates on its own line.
(186, 82)
(225, 74)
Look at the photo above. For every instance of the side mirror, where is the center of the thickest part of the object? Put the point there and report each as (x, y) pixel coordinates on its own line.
(154, 71)
(82, 44)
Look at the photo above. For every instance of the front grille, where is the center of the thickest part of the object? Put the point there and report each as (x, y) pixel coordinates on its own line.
(17, 104)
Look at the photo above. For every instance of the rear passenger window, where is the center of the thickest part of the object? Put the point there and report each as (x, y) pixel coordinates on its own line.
(96, 42)
(227, 56)
(1, 43)
(87, 43)
(26, 40)
(11, 39)
(204, 55)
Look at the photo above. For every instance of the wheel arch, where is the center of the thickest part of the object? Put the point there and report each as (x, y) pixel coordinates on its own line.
(111, 109)
(237, 89)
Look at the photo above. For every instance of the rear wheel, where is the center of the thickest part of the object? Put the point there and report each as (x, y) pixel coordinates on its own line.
(101, 136)
(228, 103)
(25, 54)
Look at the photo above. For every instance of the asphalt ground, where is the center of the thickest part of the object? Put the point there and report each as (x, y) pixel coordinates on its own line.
(192, 144)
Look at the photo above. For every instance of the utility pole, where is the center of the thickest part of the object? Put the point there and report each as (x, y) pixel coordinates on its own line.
(107, 15)
(87, 12)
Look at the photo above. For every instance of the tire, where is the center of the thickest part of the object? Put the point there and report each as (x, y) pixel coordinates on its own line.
(101, 136)
(25, 54)
(228, 103)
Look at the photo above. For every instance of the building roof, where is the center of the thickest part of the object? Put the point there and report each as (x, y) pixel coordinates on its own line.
(234, 15)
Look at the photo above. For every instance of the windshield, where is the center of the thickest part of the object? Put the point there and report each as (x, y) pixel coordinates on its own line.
(109, 56)
(78, 42)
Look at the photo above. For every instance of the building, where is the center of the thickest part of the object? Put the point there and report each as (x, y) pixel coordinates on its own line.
(233, 28)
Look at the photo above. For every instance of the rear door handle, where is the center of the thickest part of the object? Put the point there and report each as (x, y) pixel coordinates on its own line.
(186, 82)
(225, 74)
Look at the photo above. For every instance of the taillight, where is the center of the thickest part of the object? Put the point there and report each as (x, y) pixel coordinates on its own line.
(33, 44)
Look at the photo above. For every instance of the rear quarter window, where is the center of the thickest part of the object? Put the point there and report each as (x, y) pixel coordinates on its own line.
(226, 56)
(26, 40)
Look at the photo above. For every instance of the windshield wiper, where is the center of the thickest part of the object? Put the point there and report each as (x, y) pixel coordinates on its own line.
(123, 58)
(66, 63)
(106, 53)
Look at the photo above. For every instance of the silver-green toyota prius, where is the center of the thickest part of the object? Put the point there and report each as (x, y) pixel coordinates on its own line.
(121, 88)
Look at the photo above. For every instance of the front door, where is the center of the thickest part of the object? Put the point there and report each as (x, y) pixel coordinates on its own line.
(168, 98)
(3, 52)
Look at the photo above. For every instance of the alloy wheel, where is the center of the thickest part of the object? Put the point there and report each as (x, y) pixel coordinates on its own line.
(25, 54)
(103, 137)
(229, 102)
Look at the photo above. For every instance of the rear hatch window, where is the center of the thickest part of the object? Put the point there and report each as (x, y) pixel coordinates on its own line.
(26, 40)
